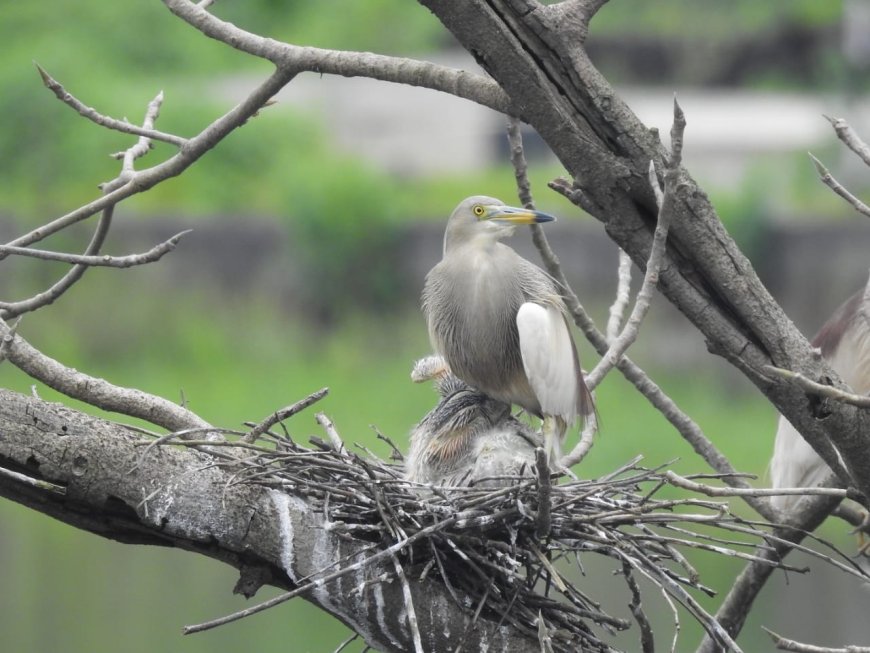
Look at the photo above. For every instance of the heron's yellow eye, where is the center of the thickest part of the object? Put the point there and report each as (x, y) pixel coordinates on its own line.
(478, 210)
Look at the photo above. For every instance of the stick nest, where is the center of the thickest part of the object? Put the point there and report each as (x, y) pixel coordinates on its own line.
(504, 558)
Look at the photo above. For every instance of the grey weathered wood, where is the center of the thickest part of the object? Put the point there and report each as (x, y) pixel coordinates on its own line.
(177, 497)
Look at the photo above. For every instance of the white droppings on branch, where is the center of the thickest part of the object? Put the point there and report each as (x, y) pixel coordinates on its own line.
(281, 502)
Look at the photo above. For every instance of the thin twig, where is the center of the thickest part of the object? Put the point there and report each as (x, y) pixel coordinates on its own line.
(850, 138)
(334, 438)
(647, 639)
(38, 483)
(282, 414)
(784, 644)
(623, 296)
(95, 391)
(821, 389)
(152, 255)
(829, 181)
(350, 640)
(104, 121)
(48, 296)
(584, 444)
(711, 491)
(644, 297)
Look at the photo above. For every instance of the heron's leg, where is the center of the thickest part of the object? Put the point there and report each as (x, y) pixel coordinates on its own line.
(553, 430)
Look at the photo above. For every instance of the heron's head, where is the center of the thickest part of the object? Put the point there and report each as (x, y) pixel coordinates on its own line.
(486, 219)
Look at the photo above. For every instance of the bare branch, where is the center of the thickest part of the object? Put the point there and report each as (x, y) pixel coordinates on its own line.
(477, 88)
(518, 161)
(820, 389)
(143, 180)
(629, 334)
(848, 136)
(584, 444)
(647, 640)
(152, 255)
(642, 302)
(623, 296)
(334, 438)
(284, 413)
(13, 309)
(829, 181)
(94, 391)
(142, 146)
(104, 121)
(37, 483)
(711, 491)
(685, 425)
(784, 644)
(738, 602)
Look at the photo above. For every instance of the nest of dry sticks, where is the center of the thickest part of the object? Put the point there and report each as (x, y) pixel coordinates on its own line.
(511, 549)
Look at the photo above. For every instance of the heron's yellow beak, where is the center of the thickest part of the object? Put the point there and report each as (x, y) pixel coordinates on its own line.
(510, 215)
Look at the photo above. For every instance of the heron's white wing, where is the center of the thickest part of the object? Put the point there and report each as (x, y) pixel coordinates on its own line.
(548, 358)
(794, 464)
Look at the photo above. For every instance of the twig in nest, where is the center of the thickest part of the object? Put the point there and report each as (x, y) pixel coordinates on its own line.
(542, 525)
(284, 413)
(711, 491)
(334, 438)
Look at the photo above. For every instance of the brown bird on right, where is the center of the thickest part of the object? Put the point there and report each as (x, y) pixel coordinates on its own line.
(844, 341)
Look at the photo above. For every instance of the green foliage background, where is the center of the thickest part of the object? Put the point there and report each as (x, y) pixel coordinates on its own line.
(238, 359)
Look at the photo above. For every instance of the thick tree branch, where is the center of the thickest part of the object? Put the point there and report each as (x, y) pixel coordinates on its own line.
(178, 497)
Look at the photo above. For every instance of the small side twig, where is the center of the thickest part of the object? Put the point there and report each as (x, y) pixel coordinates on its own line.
(644, 297)
(828, 391)
(784, 644)
(623, 290)
(94, 391)
(331, 432)
(282, 414)
(104, 121)
(850, 138)
(711, 491)
(37, 483)
(152, 255)
(647, 639)
(829, 181)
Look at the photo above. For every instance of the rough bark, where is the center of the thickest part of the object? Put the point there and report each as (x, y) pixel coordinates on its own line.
(178, 497)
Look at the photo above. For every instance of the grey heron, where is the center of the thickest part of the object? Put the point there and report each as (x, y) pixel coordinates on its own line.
(500, 323)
